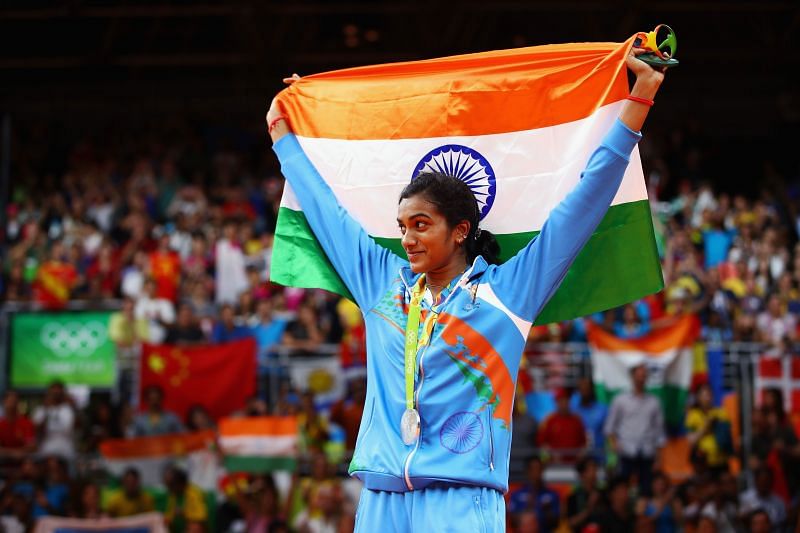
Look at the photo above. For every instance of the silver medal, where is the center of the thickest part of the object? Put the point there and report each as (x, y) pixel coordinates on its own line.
(409, 426)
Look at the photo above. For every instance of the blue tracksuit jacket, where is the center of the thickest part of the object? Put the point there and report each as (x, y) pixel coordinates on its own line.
(467, 373)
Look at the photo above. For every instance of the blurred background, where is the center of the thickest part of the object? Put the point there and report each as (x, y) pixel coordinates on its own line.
(135, 165)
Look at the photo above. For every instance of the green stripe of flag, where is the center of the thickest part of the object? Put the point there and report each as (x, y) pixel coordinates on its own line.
(258, 465)
(619, 264)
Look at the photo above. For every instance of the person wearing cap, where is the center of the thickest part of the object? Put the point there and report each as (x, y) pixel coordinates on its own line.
(562, 433)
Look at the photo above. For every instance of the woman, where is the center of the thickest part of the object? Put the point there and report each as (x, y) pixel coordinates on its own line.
(661, 512)
(436, 428)
(709, 433)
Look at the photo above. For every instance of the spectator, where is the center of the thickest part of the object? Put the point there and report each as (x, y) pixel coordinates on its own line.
(759, 521)
(723, 506)
(230, 265)
(87, 502)
(55, 279)
(535, 496)
(303, 335)
(635, 429)
(135, 274)
(586, 498)
(186, 508)
(130, 499)
(260, 506)
(199, 419)
(592, 413)
(523, 431)
(632, 325)
(155, 420)
(562, 433)
(347, 412)
(52, 497)
(128, 332)
(775, 324)
(227, 330)
(313, 427)
(158, 312)
(617, 516)
(325, 513)
(102, 424)
(709, 433)
(17, 433)
(267, 328)
(165, 269)
(661, 512)
(57, 422)
(185, 331)
(762, 497)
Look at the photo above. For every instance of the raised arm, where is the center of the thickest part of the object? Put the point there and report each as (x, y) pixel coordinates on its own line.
(538, 269)
(365, 267)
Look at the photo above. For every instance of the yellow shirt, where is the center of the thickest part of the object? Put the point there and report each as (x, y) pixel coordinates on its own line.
(695, 421)
(120, 505)
(191, 507)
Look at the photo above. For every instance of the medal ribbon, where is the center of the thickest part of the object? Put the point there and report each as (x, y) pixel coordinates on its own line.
(412, 340)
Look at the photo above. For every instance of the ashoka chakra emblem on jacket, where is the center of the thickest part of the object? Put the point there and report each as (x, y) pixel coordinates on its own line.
(461, 432)
(467, 165)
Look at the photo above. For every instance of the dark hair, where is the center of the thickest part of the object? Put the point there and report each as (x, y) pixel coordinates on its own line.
(455, 201)
(132, 471)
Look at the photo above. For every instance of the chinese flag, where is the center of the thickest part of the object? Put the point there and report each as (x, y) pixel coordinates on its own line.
(219, 377)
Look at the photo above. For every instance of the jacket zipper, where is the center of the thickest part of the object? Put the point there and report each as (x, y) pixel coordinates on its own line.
(407, 465)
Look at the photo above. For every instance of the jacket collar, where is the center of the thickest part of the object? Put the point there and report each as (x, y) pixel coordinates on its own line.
(478, 267)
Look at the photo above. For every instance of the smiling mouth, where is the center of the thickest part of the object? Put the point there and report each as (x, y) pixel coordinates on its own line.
(412, 255)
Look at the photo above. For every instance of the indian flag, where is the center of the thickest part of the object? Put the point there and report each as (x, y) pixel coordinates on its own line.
(194, 452)
(517, 125)
(259, 444)
(668, 353)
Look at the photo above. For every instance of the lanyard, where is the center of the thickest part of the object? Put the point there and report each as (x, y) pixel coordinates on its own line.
(412, 340)
(412, 335)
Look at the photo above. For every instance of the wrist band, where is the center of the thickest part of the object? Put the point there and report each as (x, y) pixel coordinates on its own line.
(644, 101)
(273, 123)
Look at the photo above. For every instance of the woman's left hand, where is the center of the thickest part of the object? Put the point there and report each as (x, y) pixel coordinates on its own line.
(641, 69)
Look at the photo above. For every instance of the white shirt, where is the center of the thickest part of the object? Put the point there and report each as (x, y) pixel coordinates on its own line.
(59, 429)
(155, 310)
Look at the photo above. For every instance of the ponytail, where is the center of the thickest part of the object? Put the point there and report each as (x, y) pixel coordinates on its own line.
(483, 243)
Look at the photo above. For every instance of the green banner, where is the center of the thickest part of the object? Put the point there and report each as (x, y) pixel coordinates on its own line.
(70, 347)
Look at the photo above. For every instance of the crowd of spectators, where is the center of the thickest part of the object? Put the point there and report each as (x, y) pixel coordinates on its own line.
(176, 230)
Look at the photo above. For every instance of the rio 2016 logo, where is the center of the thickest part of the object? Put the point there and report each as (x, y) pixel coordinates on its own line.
(73, 338)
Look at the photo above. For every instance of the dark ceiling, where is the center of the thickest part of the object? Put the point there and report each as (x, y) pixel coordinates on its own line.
(103, 57)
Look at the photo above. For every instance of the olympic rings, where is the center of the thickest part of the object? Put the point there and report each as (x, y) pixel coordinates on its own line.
(73, 338)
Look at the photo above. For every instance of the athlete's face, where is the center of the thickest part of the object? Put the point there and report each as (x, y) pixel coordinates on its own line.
(430, 243)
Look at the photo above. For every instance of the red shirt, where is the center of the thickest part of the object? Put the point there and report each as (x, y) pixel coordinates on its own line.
(16, 433)
(166, 271)
(54, 282)
(562, 432)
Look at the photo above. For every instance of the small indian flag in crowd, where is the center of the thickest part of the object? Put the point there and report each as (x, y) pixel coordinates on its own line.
(518, 126)
(668, 354)
(194, 452)
(259, 444)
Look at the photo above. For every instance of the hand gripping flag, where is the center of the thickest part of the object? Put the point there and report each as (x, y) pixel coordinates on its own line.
(517, 125)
